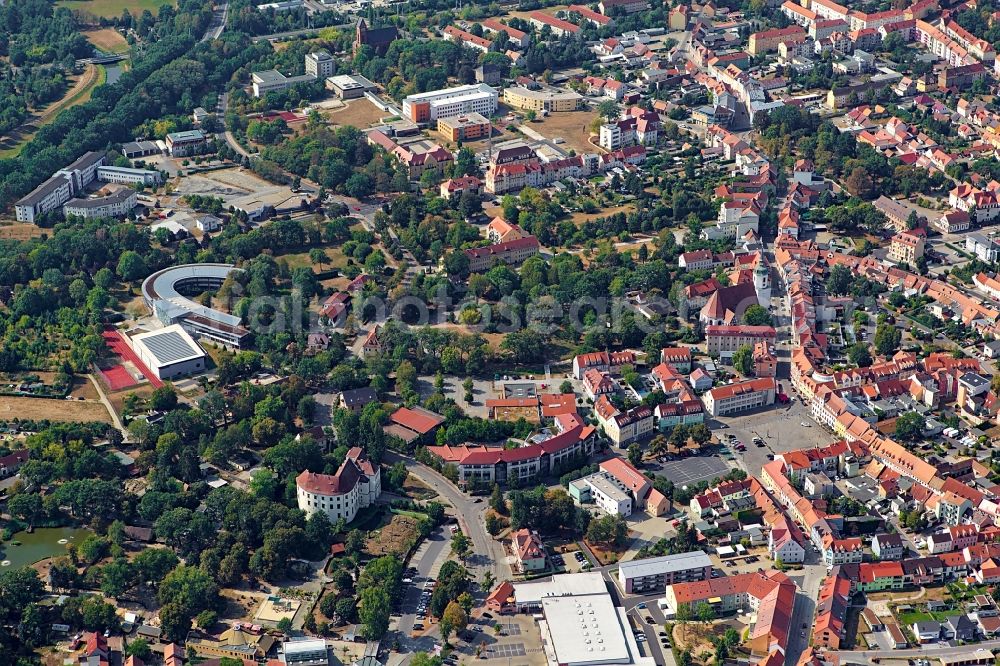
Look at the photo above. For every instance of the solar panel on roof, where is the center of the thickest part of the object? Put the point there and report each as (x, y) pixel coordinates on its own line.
(168, 347)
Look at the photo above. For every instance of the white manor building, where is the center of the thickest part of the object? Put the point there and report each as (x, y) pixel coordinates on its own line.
(356, 485)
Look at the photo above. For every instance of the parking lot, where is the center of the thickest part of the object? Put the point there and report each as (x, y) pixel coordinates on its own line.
(506, 651)
(782, 428)
(689, 471)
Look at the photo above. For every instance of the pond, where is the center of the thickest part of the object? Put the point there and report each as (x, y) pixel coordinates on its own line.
(44, 542)
(114, 72)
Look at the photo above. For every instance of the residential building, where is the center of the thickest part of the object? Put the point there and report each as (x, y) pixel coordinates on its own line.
(430, 106)
(888, 546)
(765, 361)
(652, 574)
(637, 127)
(740, 397)
(546, 100)
(528, 550)
(356, 485)
(320, 64)
(557, 26)
(453, 34)
(630, 426)
(602, 361)
(610, 7)
(118, 204)
(768, 594)
(767, 41)
(456, 187)
(356, 399)
(511, 253)
(906, 248)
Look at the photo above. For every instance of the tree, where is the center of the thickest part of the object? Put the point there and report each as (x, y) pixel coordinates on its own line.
(757, 315)
(608, 109)
(374, 611)
(566, 387)
(138, 648)
(455, 618)
(131, 266)
(460, 545)
(838, 282)
(705, 612)
(743, 360)
(493, 524)
(497, 501)
(175, 623)
(859, 355)
(608, 530)
(910, 426)
(887, 339)
(634, 453)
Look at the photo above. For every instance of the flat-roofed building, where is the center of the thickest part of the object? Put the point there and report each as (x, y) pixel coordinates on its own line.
(430, 106)
(466, 127)
(182, 144)
(60, 187)
(169, 352)
(649, 575)
(349, 86)
(320, 64)
(126, 176)
(551, 101)
(577, 608)
(305, 652)
(271, 80)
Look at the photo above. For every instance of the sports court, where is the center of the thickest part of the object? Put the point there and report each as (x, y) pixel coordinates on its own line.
(117, 344)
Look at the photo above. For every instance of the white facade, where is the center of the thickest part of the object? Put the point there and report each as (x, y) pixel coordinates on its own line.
(610, 495)
(124, 176)
(169, 352)
(320, 64)
(118, 204)
(479, 98)
(356, 485)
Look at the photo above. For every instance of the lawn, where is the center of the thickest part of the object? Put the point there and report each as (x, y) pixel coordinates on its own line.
(907, 619)
(108, 40)
(114, 8)
(54, 410)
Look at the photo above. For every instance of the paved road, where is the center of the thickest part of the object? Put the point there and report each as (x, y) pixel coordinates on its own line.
(487, 554)
(218, 24)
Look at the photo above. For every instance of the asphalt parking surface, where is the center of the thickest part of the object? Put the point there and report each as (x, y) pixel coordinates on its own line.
(689, 471)
(506, 650)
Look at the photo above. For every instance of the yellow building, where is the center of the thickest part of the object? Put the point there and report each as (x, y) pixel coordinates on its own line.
(542, 100)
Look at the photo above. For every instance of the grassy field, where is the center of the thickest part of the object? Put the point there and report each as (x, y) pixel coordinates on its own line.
(20, 231)
(54, 410)
(108, 40)
(114, 8)
(358, 113)
(571, 126)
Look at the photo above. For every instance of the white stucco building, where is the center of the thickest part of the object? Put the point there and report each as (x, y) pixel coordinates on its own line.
(356, 485)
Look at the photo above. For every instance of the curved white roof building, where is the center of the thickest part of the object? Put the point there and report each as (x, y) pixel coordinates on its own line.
(164, 290)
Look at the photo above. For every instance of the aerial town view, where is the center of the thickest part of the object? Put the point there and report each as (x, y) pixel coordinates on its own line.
(428, 332)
